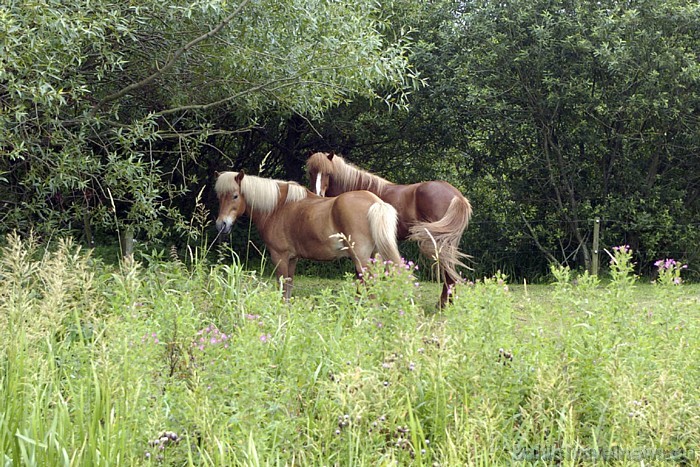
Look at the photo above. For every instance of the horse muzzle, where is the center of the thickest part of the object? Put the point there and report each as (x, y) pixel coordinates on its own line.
(224, 225)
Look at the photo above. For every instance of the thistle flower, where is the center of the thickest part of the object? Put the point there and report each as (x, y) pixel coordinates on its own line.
(622, 249)
(669, 271)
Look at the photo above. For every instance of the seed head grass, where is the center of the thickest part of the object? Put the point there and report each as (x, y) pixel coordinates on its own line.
(173, 363)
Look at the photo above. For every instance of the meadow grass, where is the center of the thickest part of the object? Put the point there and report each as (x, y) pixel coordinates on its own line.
(203, 364)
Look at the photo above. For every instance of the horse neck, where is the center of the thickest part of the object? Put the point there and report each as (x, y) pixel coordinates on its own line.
(261, 217)
(356, 179)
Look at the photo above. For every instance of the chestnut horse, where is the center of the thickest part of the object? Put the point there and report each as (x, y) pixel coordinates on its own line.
(295, 223)
(434, 214)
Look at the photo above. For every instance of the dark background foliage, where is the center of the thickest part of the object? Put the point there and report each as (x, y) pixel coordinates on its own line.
(545, 114)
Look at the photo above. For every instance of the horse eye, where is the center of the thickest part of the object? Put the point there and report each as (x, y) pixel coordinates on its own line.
(235, 196)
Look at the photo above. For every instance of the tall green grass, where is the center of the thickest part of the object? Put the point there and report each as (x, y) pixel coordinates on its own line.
(201, 364)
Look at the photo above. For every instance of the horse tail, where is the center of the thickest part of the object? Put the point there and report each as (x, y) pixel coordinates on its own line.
(383, 221)
(440, 239)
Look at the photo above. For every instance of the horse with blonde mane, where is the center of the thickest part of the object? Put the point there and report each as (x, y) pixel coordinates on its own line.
(295, 223)
(434, 214)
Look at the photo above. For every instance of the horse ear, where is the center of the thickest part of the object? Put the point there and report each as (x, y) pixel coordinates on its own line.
(216, 174)
(240, 176)
(331, 155)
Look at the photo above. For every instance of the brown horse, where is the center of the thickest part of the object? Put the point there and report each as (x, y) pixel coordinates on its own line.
(434, 214)
(295, 223)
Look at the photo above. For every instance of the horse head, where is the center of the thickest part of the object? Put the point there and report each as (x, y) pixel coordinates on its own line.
(232, 203)
(320, 167)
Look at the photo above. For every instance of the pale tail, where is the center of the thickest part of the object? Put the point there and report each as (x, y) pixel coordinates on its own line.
(444, 233)
(383, 221)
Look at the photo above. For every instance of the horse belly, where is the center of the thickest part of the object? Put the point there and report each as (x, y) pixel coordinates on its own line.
(310, 235)
(317, 247)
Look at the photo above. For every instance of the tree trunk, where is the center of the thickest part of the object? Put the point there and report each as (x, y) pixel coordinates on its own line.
(127, 242)
(293, 165)
(87, 228)
(565, 192)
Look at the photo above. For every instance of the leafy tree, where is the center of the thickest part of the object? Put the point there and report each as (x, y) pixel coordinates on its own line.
(548, 114)
(104, 105)
(588, 106)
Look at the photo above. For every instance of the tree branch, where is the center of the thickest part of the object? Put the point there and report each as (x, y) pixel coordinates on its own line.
(270, 86)
(534, 238)
(171, 62)
(209, 105)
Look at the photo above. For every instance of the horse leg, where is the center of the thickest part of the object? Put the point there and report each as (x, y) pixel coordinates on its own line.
(289, 281)
(361, 258)
(447, 290)
(282, 266)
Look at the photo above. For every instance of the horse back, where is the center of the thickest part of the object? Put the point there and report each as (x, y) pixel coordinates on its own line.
(350, 208)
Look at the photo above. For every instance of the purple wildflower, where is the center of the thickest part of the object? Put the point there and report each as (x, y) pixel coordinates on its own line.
(669, 270)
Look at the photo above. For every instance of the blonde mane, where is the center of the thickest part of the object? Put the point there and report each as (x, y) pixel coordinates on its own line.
(261, 194)
(347, 176)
